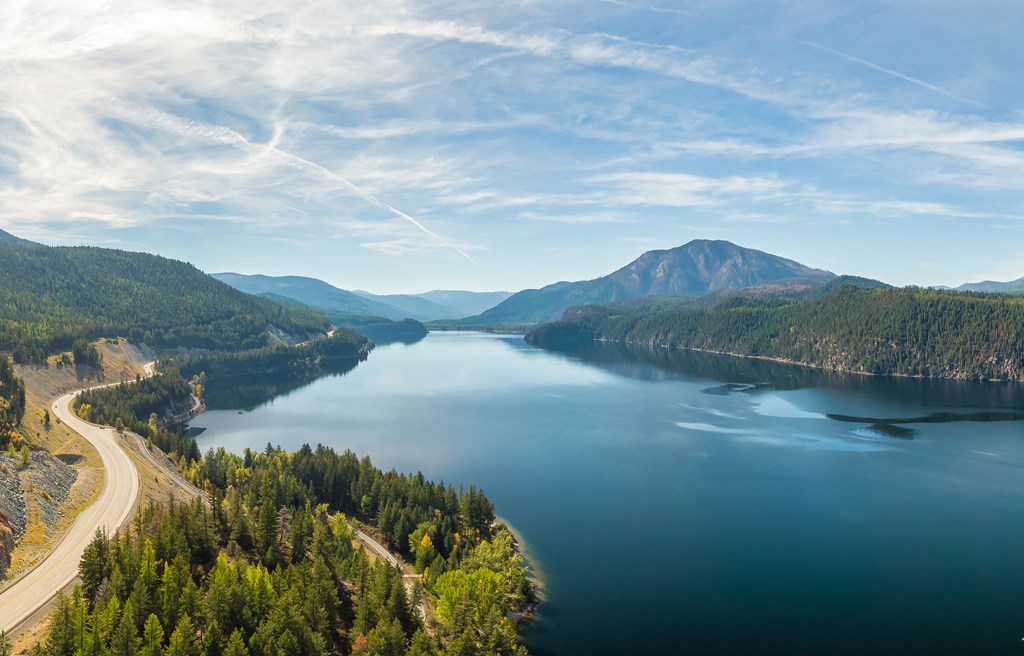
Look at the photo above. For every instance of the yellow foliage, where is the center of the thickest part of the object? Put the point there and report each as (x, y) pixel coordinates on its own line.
(426, 542)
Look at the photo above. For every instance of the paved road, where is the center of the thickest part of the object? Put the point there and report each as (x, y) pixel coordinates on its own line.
(110, 512)
(375, 546)
(408, 579)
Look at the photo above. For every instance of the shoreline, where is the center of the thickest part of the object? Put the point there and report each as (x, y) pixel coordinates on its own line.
(797, 363)
(534, 575)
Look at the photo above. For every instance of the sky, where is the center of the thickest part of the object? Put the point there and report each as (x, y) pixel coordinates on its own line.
(399, 146)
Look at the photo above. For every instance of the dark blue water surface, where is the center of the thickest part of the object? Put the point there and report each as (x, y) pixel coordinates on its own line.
(679, 503)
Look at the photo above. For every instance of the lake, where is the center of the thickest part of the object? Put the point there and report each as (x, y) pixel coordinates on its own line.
(682, 503)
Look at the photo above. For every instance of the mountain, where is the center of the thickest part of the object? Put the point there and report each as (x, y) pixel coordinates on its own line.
(1011, 287)
(51, 296)
(413, 306)
(440, 303)
(465, 303)
(699, 267)
(311, 292)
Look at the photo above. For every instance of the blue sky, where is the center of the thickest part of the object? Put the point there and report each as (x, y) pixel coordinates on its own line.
(403, 146)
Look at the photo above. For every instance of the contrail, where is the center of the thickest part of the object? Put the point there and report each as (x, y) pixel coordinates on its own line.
(219, 134)
(271, 146)
(858, 60)
(897, 74)
(367, 196)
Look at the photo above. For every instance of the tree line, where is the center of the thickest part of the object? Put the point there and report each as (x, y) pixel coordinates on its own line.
(12, 400)
(886, 331)
(143, 407)
(342, 347)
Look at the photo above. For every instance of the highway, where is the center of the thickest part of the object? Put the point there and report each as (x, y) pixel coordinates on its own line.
(110, 511)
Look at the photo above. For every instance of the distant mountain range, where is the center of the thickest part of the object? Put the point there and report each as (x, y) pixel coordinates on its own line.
(343, 305)
(696, 268)
(453, 303)
(1011, 287)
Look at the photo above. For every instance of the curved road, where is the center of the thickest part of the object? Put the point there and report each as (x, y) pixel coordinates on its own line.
(110, 511)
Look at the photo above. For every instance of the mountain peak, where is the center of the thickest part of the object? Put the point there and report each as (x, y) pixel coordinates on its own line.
(702, 266)
(698, 267)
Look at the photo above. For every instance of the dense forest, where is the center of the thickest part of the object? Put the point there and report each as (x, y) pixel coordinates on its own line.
(910, 332)
(270, 567)
(12, 399)
(342, 347)
(52, 296)
(143, 407)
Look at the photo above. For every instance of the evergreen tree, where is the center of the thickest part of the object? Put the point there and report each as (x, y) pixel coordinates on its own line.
(153, 637)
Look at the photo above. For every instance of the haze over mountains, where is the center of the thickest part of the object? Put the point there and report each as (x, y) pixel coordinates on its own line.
(340, 303)
(1011, 287)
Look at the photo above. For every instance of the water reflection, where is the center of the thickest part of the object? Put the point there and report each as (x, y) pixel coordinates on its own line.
(751, 376)
(970, 401)
(250, 391)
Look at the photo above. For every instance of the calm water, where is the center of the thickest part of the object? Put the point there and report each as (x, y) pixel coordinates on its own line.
(676, 503)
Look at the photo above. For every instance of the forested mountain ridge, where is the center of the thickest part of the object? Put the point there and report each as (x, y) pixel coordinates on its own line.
(909, 332)
(50, 296)
(698, 267)
(1011, 287)
(311, 292)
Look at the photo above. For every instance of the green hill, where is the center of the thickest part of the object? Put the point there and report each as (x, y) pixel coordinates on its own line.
(311, 292)
(1011, 287)
(911, 332)
(50, 296)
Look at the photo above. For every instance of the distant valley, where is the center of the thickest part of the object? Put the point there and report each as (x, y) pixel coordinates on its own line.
(342, 304)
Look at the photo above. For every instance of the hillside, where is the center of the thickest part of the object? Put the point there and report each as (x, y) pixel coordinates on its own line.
(50, 296)
(911, 332)
(699, 267)
(1011, 287)
(311, 292)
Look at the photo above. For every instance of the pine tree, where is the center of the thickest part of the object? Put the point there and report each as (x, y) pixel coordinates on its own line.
(153, 637)
(236, 645)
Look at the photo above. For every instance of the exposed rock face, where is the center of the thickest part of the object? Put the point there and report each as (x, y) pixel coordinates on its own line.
(12, 500)
(6, 544)
(51, 479)
(45, 483)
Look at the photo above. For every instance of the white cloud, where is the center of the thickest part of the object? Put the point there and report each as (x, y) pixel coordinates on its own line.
(685, 190)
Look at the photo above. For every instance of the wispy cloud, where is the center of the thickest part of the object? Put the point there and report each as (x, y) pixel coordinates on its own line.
(685, 190)
(448, 131)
